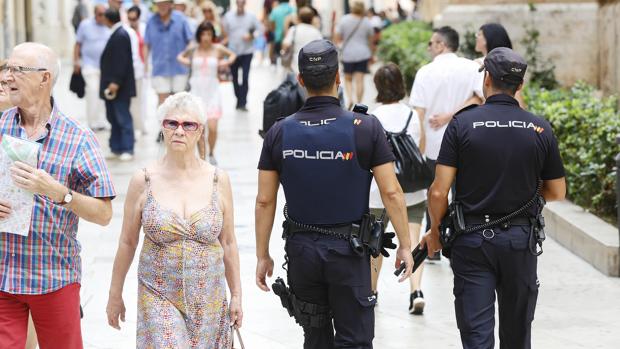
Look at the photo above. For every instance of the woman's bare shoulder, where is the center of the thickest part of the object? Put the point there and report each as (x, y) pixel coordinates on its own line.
(141, 176)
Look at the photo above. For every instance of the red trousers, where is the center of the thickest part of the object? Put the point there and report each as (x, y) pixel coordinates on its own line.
(56, 318)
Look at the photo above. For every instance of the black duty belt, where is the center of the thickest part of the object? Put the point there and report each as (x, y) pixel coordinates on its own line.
(337, 231)
(472, 220)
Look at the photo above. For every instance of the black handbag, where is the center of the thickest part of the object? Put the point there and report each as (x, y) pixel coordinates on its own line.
(77, 84)
(412, 170)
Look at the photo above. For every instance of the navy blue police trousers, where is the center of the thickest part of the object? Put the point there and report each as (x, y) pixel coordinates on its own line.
(324, 270)
(484, 267)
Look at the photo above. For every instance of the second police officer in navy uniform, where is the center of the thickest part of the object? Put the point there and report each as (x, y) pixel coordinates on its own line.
(325, 157)
(499, 155)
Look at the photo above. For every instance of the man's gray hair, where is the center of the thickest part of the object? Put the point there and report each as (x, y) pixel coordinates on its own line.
(46, 58)
(182, 102)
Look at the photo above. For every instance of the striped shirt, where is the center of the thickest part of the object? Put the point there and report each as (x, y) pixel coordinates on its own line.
(49, 257)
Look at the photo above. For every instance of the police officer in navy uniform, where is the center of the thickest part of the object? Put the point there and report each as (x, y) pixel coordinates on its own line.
(498, 153)
(325, 157)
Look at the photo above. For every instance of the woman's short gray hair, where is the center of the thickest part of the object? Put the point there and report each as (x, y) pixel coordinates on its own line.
(182, 102)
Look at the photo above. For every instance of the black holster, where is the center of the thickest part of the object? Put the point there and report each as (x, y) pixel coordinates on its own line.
(305, 314)
(537, 229)
(451, 226)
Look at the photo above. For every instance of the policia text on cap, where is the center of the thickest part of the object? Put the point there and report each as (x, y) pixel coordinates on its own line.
(325, 157)
(498, 154)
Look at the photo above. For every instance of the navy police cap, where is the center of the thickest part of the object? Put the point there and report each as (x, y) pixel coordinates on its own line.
(505, 64)
(317, 57)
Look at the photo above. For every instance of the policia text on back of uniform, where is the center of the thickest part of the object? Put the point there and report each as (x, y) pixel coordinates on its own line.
(325, 157)
(497, 153)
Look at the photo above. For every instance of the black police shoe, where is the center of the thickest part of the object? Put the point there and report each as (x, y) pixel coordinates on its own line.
(416, 303)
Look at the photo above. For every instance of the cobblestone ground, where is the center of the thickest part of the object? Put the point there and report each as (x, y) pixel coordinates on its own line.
(578, 307)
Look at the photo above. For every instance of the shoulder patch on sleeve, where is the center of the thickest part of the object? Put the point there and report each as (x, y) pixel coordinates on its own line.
(469, 107)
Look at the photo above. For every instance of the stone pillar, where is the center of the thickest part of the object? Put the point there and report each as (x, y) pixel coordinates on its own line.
(2, 27)
(13, 22)
(609, 41)
(51, 25)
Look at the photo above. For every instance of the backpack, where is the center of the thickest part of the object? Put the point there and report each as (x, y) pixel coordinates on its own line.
(285, 100)
(412, 170)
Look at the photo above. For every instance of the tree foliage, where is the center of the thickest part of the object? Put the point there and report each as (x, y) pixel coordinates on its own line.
(406, 44)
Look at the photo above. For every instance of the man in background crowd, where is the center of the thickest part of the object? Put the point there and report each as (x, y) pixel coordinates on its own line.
(167, 34)
(136, 29)
(118, 86)
(92, 36)
(442, 88)
(241, 27)
(80, 13)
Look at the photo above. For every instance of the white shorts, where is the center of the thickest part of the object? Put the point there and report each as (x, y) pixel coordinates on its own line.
(169, 84)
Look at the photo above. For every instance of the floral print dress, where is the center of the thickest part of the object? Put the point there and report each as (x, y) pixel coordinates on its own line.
(181, 281)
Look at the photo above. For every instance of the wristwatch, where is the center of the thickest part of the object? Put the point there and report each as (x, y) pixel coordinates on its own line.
(67, 199)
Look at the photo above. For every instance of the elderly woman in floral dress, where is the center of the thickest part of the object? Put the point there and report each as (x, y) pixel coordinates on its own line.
(184, 206)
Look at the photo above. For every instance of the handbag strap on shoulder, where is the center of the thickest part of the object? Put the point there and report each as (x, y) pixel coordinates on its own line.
(346, 41)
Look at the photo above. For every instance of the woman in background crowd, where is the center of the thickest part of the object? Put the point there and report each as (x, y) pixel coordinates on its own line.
(393, 115)
(210, 14)
(206, 60)
(300, 35)
(355, 36)
(490, 36)
(190, 250)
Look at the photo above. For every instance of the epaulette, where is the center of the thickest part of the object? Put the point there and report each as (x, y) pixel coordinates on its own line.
(469, 107)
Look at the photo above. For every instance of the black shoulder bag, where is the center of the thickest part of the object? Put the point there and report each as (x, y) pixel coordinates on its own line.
(412, 170)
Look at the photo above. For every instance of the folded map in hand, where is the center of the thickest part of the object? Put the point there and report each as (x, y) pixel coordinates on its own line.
(15, 149)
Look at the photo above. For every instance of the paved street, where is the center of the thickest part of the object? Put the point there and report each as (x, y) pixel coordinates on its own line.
(578, 307)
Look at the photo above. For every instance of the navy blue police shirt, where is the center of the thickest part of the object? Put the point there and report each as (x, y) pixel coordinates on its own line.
(500, 151)
(371, 143)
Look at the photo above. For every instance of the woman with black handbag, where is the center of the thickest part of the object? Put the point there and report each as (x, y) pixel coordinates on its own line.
(404, 129)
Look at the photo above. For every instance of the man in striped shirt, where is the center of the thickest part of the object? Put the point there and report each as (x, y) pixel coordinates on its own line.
(40, 273)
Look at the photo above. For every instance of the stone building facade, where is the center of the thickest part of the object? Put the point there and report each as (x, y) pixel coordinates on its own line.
(582, 38)
(46, 21)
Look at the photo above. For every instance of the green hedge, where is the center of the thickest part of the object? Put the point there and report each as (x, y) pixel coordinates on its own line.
(586, 127)
(405, 44)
